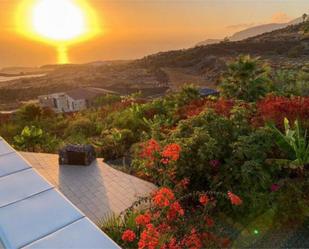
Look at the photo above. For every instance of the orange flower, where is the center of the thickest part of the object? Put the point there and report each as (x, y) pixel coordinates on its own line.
(235, 200)
(163, 197)
(204, 199)
(128, 236)
(143, 219)
(171, 151)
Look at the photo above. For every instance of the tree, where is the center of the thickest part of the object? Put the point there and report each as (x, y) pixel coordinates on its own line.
(246, 79)
(29, 112)
(305, 16)
(188, 93)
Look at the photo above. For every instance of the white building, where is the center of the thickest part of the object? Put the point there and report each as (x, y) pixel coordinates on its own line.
(72, 101)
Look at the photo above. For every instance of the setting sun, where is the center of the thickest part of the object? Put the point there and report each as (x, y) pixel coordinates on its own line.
(60, 20)
(57, 22)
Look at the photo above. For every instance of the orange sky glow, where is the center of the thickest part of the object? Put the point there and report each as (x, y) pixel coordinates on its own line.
(129, 29)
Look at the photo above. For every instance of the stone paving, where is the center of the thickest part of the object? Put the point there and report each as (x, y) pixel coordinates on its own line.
(97, 190)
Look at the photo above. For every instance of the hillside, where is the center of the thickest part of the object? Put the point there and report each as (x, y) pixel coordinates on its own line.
(284, 48)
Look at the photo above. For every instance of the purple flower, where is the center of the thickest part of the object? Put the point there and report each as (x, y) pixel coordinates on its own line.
(274, 187)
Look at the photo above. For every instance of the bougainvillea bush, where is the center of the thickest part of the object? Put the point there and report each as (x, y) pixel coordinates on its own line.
(158, 163)
(172, 219)
(276, 108)
(219, 149)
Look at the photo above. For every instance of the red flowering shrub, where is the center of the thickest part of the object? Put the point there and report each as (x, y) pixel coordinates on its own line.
(171, 221)
(157, 164)
(221, 106)
(275, 109)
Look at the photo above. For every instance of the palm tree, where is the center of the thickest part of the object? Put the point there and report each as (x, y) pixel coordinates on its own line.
(305, 16)
(246, 79)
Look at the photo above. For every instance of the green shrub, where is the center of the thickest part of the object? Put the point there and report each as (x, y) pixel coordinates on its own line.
(204, 138)
(81, 126)
(291, 202)
(291, 82)
(246, 172)
(9, 130)
(115, 143)
(108, 99)
(34, 139)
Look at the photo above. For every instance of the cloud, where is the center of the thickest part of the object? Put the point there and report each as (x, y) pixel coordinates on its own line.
(240, 26)
(280, 17)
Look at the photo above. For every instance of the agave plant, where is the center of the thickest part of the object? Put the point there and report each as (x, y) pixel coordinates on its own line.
(293, 141)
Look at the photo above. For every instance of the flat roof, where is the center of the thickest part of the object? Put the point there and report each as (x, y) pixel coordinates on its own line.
(34, 214)
(97, 190)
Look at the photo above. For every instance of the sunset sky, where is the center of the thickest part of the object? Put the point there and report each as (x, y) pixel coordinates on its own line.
(132, 29)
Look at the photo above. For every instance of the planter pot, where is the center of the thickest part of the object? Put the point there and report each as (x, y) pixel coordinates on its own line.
(82, 155)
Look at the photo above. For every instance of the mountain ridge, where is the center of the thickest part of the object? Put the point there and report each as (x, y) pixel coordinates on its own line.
(253, 31)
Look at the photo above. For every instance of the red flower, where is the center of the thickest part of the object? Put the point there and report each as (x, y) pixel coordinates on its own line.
(192, 241)
(143, 219)
(171, 152)
(149, 238)
(173, 244)
(149, 149)
(175, 209)
(165, 160)
(163, 197)
(128, 236)
(184, 183)
(204, 199)
(235, 200)
(209, 221)
(163, 228)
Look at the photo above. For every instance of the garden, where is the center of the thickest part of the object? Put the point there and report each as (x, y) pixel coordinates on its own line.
(228, 169)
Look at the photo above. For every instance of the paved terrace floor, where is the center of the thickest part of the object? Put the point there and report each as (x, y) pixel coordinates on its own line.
(97, 190)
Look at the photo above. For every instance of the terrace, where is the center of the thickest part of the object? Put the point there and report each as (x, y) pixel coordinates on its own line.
(97, 190)
(34, 213)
